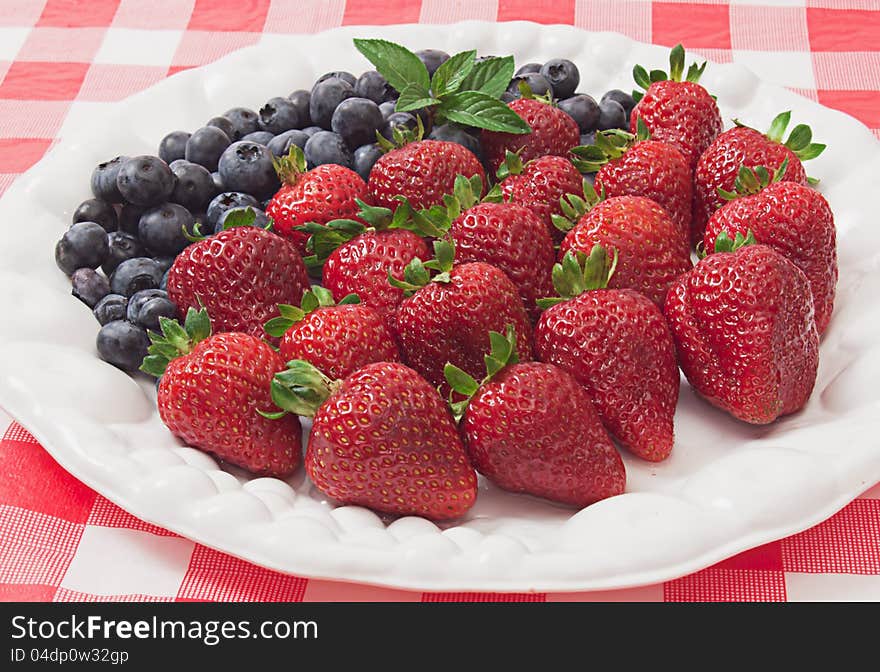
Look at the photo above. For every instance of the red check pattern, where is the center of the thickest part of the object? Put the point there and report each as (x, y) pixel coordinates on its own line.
(61, 541)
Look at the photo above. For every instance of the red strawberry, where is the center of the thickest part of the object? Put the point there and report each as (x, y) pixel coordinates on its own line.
(631, 165)
(652, 250)
(422, 172)
(553, 133)
(446, 318)
(616, 343)
(681, 113)
(382, 438)
(240, 275)
(540, 184)
(319, 195)
(794, 220)
(719, 165)
(529, 427)
(745, 332)
(213, 393)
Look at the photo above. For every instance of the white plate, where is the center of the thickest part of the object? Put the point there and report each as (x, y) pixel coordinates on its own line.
(727, 487)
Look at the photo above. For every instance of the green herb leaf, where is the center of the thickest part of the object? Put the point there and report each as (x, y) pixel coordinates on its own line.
(475, 108)
(414, 97)
(491, 76)
(397, 64)
(452, 73)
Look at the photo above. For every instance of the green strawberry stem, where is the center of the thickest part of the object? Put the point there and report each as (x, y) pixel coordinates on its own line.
(175, 340)
(750, 181)
(401, 136)
(290, 167)
(512, 165)
(314, 298)
(579, 273)
(723, 242)
(300, 389)
(416, 274)
(800, 140)
(574, 207)
(502, 352)
(235, 219)
(608, 145)
(644, 79)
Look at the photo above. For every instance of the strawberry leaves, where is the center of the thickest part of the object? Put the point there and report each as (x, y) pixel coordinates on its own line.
(644, 79)
(800, 140)
(314, 298)
(579, 273)
(175, 340)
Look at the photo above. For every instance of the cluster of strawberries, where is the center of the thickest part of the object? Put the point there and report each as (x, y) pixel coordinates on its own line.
(549, 322)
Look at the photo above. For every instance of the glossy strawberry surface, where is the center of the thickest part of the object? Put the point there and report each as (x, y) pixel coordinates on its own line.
(210, 398)
(386, 440)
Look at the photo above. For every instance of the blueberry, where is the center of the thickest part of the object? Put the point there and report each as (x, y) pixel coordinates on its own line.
(133, 275)
(145, 180)
(83, 245)
(611, 115)
(453, 133)
(311, 130)
(123, 344)
(100, 212)
(529, 67)
(563, 76)
(327, 147)
(244, 121)
(195, 186)
(583, 109)
(223, 124)
(507, 97)
(161, 228)
(121, 246)
(152, 310)
(280, 145)
(588, 138)
(338, 74)
(357, 120)
(218, 181)
(300, 99)
(325, 97)
(164, 263)
(178, 162)
(129, 217)
(247, 167)
(137, 300)
(206, 145)
(402, 120)
(364, 158)
(374, 86)
(163, 283)
(227, 201)
(111, 307)
(539, 85)
(625, 99)
(432, 58)
(260, 219)
(89, 286)
(591, 178)
(173, 146)
(104, 180)
(260, 137)
(279, 115)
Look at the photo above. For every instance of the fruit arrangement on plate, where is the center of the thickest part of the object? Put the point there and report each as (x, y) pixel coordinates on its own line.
(453, 266)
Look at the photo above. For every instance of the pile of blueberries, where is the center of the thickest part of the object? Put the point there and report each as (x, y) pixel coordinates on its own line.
(147, 209)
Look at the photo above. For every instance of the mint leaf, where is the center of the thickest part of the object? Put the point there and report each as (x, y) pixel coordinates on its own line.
(395, 63)
(414, 97)
(475, 108)
(491, 76)
(452, 72)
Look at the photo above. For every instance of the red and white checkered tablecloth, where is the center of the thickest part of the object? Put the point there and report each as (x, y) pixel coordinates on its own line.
(59, 59)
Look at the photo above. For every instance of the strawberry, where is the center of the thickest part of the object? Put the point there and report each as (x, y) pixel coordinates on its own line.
(539, 184)
(794, 220)
(634, 165)
(446, 318)
(240, 275)
(318, 195)
(652, 250)
(381, 438)
(616, 343)
(553, 133)
(719, 165)
(744, 330)
(336, 338)
(215, 390)
(529, 427)
(681, 113)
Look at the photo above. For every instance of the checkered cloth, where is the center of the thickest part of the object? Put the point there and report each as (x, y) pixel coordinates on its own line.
(60, 59)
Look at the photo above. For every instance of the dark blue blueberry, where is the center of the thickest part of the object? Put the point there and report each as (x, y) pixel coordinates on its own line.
(260, 137)
(529, 67)
(164, 262)
(625, 99)
(260, 218)
(178, 162)
(364, 158)
(432, 58)
(173, 146)
(123, 344)
(311, 130)
(507, 97)
(161, 229)
(244, 120)
(152, 310)
(402, 120)
(300, 99)
(279, 115)
(280, 144)
(100, 212)
(611, 115)
(563, 76)
(89, 286)
(453, 133)
(588, 138)
(163, 284)
(121, 246)
(138, 299)
(133, 275)
(357, 120)
(325, 98)
(537, 83)
(104, 180)
(374, 86)
(206, 145)
(111, 307)
(218, 181)
(583, 109)
(227, 201)
(129, 217)
(223, 124)
(327, 147)
(195, 186)
(83, 245)
(145, 180)
(247, 167)
(338, 74)
(387, 108)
